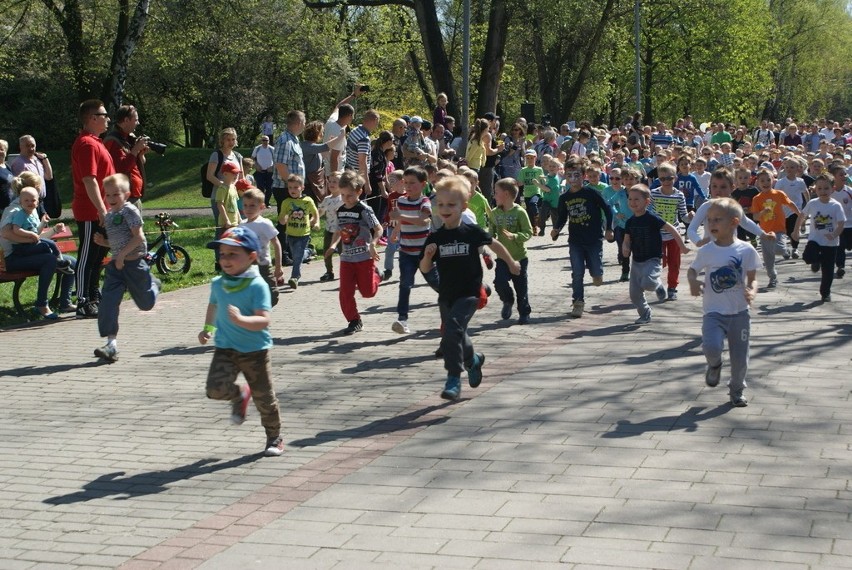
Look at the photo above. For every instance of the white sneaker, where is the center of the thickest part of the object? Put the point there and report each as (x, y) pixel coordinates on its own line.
(400, 327)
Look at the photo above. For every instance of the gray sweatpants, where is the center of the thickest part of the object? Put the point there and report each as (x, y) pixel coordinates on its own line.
(456, 344)
(771, 248)
(715, 328)
(644, 276)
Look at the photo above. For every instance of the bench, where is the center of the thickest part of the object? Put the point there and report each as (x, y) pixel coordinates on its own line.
(66, 244)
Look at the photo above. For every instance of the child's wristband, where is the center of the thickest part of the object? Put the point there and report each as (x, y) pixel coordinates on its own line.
(209, 329)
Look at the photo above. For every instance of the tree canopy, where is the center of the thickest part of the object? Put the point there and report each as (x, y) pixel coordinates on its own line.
(195, 66)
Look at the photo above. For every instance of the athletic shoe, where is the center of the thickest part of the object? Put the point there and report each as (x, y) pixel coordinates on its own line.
(387, 274)
(401, 327)
(107, 352)
(474, 373)
(293, 283)
(597, 280)
(625, 276)
(672, 296)
(524, 319)
(506, 311)
(383, 240)
(661, 293)
(738, 401)
(239, 409)
(795, 254)
(69, 308)
(773, 283)
(439, 353)
(489, 262)
(815, 267)
(87, 311)
(826, 298)
(644, 319)
(64, 266)
(786, 256)
(554, 237)
(577, 309)
(713, 375)
(452, 388)
(840, 273)
(327, 277)
(353, 327)
(274, 447)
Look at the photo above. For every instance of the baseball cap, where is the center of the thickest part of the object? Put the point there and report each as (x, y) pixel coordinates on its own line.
(530, 152)
(415, 119)
(230, 167)
(243, 184)
(239, 236)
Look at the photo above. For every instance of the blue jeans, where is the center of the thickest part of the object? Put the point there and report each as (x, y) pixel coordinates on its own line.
(408, 265)
(584, 256)
(296, 246)
(66, 282)
(532, 209)
(390, 251)
(43, 245)
(43, 263)
(135, 278)
(502, 276)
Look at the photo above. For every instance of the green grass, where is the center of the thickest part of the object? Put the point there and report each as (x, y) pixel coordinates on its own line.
(193, 234)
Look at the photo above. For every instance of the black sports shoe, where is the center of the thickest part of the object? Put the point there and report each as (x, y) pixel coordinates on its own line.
(506, 311)
(64, 266)
(87, 311)
(387, 274)
(353, 327)
(738, 401)
(327, 277)
(840, 273)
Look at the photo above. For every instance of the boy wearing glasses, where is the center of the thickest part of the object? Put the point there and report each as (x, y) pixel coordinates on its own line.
(584, 209)
(670, 204)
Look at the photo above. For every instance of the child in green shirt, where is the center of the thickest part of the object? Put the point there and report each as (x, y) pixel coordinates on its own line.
(529, 175)
(511, 226)
(299, 216)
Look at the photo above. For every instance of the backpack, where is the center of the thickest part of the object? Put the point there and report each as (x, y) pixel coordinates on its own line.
(206, 185)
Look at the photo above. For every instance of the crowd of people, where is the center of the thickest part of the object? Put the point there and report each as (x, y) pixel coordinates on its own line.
(444, 206)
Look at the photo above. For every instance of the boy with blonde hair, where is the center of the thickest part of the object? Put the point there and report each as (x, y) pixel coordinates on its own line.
(267, 234)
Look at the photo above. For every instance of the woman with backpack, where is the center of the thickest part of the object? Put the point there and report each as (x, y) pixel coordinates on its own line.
(225, 153)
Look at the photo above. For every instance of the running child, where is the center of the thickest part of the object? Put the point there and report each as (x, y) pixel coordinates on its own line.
(721, 186)
(670, 204)
(454, 248)
(298, 215)
(511, 226)
(238, 316)
(617, 198)
(267, 235)
(768, 210)
(729, 287)
(328, 208)
(528, 176)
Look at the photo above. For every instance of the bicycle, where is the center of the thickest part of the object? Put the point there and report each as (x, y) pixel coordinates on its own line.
(168, 258)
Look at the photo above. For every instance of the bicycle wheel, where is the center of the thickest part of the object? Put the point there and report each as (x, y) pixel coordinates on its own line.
(176, 261)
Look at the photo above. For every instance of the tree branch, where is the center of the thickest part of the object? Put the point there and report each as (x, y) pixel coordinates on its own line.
(319, 4)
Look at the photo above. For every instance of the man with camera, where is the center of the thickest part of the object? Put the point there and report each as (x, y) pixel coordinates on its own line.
(128, 150)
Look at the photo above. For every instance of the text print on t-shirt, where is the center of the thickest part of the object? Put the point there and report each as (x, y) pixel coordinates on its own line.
(454, 249)
(578, 211)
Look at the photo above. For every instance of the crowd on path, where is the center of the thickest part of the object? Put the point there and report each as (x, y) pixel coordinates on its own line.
(443, 207)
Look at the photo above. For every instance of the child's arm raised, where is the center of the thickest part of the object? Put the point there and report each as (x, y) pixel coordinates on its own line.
(256, 322)
(209, 327)
(501, 252)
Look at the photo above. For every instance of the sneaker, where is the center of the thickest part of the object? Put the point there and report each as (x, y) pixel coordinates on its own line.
(387, 274)
(577, 309)
(64, 266)
(293, 283)
(644, 319)
(87, 311)
(738, 401)
(815, 267)
(795, 254)
(506, 311)
(383, 241)
(327, 277)
(625, 276)
(773, 283)
(274, 447)
(239, 409)
(474, 373)
(401, 327)
(439, 353)
(353, 327)
(672, 296)
(554, 237)
(840, 273)
(524, 319)
(489, 262)
(826, 298)
(597, 280)
(107, 352)
(713, 375)
(786, 256)
(452, 388)
(69, 308)
(661, 293)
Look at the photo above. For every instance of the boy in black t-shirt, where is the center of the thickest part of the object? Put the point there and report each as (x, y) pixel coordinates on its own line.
(455, 249)
(644, 243)
(744, 193)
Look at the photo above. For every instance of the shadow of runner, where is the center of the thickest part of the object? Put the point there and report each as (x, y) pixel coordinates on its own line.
(377, 427)
(52, 369)
(147, 483)
(687, 421)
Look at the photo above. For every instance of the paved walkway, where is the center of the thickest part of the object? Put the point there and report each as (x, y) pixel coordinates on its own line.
(591, 443)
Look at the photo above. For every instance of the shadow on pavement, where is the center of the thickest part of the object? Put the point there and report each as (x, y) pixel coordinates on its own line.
(797, 307)
(377, 427)
(675, 352)
(52, 369)
(687, 421)
(181, 351)
(147, 483)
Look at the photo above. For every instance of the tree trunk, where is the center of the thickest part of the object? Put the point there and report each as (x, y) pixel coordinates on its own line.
(646, 86)
(129, 32)
(436, 55)
(493, 59)
(71, 22)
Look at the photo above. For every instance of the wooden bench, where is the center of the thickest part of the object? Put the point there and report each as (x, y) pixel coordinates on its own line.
(66, 244)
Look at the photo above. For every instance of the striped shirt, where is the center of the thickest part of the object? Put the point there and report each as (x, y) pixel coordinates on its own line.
(358, 143)
(412, 235)
(670, 207)
(288, 152)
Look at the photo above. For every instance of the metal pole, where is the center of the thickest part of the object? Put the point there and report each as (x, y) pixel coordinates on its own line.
(465, 107)
(636, 15)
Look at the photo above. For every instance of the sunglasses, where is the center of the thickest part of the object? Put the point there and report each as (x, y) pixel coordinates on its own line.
(666, 178)
(615, 177)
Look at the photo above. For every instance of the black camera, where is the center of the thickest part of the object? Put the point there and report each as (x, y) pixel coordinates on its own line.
(159, 148)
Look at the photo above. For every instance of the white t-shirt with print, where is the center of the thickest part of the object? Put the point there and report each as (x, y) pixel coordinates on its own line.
(725, 269)
(265, 231)
(824, 219)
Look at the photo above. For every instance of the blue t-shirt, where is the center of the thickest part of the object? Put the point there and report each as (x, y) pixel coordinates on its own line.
(646, 241)
(25, 221)
(689, 187)
(248, 294)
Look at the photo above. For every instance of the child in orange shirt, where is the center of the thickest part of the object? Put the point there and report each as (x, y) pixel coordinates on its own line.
(768, 211)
